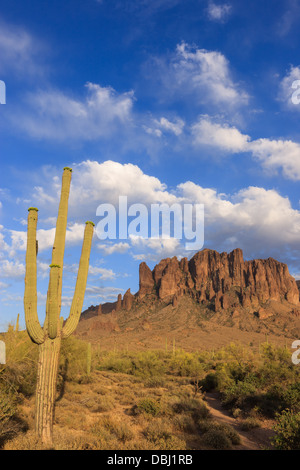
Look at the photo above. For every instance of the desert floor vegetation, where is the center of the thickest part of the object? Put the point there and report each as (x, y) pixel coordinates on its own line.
(156, 400)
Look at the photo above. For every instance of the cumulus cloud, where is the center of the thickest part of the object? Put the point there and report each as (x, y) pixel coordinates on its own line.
(58, 116)
(12, 269)
(273, 154)
(102, 273)
(110, 248)
(95, 183)
(259, 220)
(230, 139)
(45, 238)
(201, 74)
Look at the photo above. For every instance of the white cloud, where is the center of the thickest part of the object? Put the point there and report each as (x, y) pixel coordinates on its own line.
(256, 219)
(230, 139)
(259, 220)
(173, 127)
(45, 238)
(57, 116)
(203, 75)
(218, 12)
(156, 249)
(273, 154)
(103, 273)
(103, 294)
(20, 52)
(276, 154)
(109, 249)
(12, 269)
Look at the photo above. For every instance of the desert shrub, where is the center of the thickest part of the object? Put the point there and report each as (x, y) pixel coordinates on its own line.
(216, 439)
(107, 428)
(7, 403)
(158, 432)
(287, 430)
(185, 423)
(72, 365)
(20, 370)
(196, 408)
(155, 382)
(236, 412)
(205, 426)
(210, 382)
(186, 365)
(242, 395)
(101, 404)
(144, 364)
(250, 423)
(10, 424)
(149, 406)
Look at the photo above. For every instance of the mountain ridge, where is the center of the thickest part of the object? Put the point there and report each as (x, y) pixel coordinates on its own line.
(217, 288)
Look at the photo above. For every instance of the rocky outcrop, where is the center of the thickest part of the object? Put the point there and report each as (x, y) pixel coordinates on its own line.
(119, 303)
(99, 310)
(146, 284)
(224, 279)
(128, 300)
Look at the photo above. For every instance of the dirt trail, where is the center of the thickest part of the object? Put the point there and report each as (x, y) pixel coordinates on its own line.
(256, 439)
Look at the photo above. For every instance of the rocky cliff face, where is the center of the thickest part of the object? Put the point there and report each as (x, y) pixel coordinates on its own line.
(222, 279)
(223, 282)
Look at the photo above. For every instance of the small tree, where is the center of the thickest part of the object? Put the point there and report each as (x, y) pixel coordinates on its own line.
(54, 330)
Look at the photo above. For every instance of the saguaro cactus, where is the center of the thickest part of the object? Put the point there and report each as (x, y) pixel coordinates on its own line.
(54, 330)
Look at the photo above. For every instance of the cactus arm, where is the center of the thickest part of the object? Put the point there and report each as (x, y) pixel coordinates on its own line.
(33, 326)
(53, 300)
(61, 223)
(59, 243)
(76, 307)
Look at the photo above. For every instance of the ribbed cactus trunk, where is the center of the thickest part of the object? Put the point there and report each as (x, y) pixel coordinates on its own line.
(46, 388)
(50, 335)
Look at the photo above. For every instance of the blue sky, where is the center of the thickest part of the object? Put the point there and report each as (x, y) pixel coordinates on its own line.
(163, 101)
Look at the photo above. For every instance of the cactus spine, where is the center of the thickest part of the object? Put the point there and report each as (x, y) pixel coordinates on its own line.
(53, 331)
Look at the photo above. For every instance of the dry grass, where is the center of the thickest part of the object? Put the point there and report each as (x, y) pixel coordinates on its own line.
(135, 401)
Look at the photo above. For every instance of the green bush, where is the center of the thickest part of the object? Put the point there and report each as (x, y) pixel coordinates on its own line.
(240, 395)
(205, 426)
(250, 423)
(158, 432)
(210, 382)
(7, 404)
(287, 430)
(196, 408)
(216, 439)
(149, 406)
(155, 382)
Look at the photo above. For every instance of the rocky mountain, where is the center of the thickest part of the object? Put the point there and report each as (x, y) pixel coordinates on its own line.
(220, 287)
(210, 277)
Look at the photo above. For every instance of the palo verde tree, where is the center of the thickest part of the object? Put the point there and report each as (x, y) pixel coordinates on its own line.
(49, 336)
